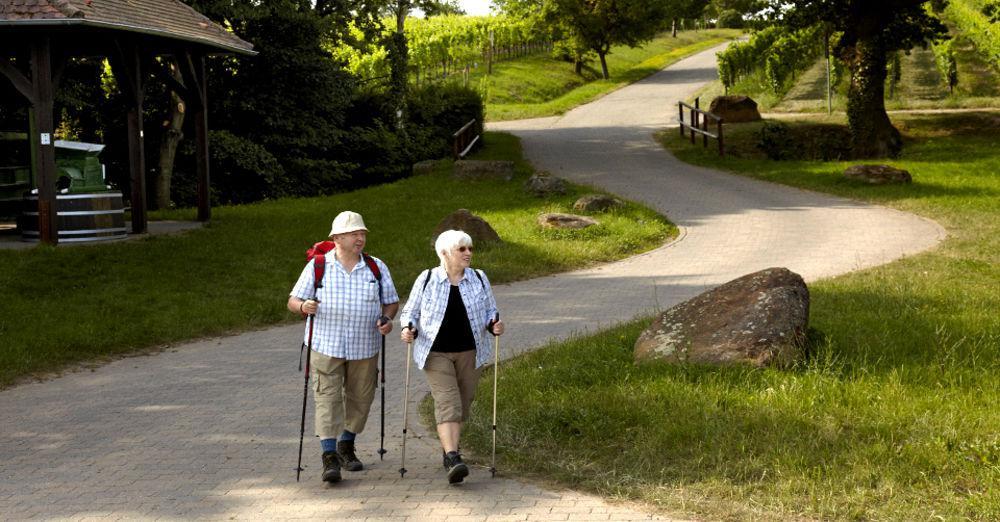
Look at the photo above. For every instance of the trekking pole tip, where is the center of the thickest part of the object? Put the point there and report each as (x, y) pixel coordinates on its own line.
(402, 471)
(382, 451)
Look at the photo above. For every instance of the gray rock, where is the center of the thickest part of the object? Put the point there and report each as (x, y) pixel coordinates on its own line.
(734, 109)
(759, 319)
(484, 169)
(543, 185)
(475, 226)
(557, 220)
(597, 203)
(877, 174)
(425, 167)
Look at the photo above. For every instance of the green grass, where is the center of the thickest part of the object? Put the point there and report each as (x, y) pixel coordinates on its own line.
(65, 305)
(893, 417)
(539, 85)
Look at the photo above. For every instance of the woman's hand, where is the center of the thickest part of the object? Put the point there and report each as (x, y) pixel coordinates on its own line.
(498, 327)
(407, 334)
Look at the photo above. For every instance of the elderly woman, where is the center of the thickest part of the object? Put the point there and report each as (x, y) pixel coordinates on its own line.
(451, 308)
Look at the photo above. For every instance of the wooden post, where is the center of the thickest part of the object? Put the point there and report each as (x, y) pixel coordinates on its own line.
(128, 71)
(201, 139)
(704, 129)
(680, 118)
(694, 123)
(722, 150)
(42, 139)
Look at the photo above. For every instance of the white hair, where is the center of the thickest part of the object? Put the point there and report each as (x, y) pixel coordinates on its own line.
(448, 240)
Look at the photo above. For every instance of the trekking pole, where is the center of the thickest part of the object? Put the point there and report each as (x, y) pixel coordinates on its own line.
(496, 369)
(381, 448)
(406, 401)
(305, 394)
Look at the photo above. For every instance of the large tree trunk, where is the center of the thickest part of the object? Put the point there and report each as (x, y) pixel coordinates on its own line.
(872, 134)
(172, 136)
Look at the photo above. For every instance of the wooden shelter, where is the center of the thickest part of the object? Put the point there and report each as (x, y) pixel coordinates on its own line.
(38, 36)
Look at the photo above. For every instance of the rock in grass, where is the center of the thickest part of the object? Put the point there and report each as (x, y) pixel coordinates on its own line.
(558, 220)
(597, 203)
(543, 185)
(758, 319)
(484, 169)
(478, 229)
(877, 174)
(734, 109)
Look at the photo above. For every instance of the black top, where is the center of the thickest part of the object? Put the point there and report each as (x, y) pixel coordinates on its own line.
(455, 334)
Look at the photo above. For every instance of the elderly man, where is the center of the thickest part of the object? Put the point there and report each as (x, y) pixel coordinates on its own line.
(351, 307)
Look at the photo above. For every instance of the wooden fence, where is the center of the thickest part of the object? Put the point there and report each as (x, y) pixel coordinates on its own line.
(697, 123)
(464, 140)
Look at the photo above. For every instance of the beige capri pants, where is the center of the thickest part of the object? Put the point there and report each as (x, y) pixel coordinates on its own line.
(343, 391)
(453, 377)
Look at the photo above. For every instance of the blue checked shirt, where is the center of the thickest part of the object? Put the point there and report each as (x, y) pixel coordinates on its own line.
(425, 308)
(348, 308)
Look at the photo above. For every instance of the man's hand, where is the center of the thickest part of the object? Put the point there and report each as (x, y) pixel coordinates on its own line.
(384, 325)
(309, 306)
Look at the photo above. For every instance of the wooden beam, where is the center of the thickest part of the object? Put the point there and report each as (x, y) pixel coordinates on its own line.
(201, 141)
(21, 82)
(128, 70)
(43, 140)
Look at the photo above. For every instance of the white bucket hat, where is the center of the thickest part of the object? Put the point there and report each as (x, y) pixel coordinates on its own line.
(346, 222)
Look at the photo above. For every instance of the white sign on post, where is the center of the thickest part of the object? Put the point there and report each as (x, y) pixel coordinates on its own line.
(46, 138)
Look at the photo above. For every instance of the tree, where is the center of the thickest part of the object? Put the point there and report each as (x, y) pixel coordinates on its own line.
(870, 32)
(598, 25)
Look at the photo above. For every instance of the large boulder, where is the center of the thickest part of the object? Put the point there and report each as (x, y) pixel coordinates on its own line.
(558, 220)
(475, 226)
(759, 319)
(543, 185)
(734, 109)
(877, 174)
(597, 203)
(484, 169)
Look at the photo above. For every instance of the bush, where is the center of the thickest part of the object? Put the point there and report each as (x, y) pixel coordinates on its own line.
(240, 171)
(436, 112)
(774, 140)
(779, 141)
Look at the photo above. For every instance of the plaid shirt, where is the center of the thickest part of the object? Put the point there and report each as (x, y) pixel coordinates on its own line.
(348, 308)
(426, 306)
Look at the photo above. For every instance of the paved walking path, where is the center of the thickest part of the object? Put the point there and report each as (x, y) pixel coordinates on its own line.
(209, 429)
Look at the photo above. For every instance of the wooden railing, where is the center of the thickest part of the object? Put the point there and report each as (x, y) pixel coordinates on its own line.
(464, 140)
(698, 123)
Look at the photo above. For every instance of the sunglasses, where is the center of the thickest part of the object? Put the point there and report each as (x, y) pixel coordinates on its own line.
(464, 248)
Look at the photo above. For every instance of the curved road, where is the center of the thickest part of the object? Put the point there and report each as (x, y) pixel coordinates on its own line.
(209, 429)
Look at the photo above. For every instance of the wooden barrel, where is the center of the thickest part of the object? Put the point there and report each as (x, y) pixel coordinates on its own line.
(98, 216)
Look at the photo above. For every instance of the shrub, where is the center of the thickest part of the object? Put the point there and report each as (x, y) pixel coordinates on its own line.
(779, 141)
(774, 140)
(439, 111)
(240, 171)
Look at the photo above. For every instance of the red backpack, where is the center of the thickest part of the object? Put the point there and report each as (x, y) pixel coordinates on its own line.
(318, 254)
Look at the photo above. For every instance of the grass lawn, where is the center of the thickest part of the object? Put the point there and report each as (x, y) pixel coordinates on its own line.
(72, 304)
(540, 85)
(893, 417)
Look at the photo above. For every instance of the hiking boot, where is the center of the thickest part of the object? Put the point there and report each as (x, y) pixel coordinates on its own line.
(345, 451)
(331, 467)
(457, 470)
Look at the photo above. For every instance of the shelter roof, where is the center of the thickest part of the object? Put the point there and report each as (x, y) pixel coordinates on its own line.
(162, 18)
